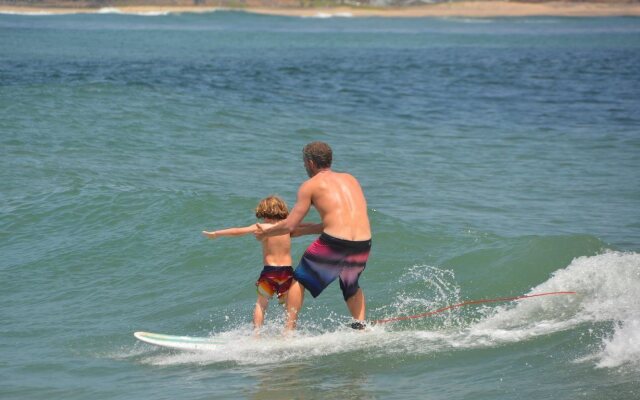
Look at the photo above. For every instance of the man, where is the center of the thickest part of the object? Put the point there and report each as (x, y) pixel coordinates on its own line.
(343, 247)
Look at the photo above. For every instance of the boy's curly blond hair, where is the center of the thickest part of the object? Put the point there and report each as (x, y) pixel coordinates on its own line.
(272, 207)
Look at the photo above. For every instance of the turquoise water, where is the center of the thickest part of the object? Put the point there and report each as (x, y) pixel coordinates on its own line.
(499, 158)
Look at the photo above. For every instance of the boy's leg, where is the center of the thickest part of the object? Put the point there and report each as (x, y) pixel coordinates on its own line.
(356, 305)
(295, 297)
(258, 312)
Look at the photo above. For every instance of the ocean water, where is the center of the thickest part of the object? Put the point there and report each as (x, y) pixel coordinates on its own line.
(500, 157)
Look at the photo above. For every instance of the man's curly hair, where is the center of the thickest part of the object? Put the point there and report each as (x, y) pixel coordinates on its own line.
(318, 152)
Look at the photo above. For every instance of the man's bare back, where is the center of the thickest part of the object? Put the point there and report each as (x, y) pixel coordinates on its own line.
(341, 204)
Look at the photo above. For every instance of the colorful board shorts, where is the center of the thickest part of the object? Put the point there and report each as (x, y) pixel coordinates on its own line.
(274, 280)
(329, 258)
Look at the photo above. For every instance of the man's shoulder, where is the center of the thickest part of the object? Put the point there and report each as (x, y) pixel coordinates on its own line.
(346, 176)
(312, 184)
(320, 180)
(308, 185)
(335, 176)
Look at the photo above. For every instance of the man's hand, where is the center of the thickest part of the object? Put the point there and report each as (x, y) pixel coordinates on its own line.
(210, 235)
(260, 233)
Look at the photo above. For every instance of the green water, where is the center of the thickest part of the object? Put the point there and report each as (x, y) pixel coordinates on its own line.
(499, 158)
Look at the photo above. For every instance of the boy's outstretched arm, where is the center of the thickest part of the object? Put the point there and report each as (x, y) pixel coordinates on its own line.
(239, 231)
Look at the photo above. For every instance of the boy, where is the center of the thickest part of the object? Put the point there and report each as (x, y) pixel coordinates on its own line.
(276, 276)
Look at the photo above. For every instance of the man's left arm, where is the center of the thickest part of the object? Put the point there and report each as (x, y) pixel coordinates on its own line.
(307, 229)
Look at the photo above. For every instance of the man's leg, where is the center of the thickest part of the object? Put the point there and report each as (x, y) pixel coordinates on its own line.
(356, 304)
(295, 297)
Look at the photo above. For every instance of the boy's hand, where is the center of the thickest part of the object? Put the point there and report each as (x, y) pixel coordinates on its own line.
(210, 235)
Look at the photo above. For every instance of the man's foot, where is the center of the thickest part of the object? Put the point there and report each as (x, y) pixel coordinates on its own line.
(358, 325)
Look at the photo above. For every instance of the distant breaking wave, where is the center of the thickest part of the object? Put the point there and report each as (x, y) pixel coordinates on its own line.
(106, 10)
(114, 10)
(400, 3)
(322, 15)
(33, 13)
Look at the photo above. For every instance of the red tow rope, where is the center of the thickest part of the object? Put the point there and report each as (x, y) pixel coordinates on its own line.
(466, 303)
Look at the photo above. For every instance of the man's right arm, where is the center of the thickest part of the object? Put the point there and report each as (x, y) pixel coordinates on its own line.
(297, 214)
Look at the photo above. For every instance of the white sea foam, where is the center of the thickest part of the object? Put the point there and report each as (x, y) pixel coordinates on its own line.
(468, 20)
(114, 10)
(608, 290)
(153, 13)
(109, 10)
(607, 286)
(103, 10)
(240, 346)
(31, 13)
(322, 15)
(623, 347)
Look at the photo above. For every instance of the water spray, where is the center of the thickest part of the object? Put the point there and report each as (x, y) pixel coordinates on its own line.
(468, 303)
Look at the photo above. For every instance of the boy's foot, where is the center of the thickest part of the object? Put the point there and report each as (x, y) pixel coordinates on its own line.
(358, 325)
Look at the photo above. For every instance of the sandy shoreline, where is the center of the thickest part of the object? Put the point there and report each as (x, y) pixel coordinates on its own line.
(471, 9)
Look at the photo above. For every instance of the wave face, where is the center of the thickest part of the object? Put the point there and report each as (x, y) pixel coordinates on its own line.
(606, 291)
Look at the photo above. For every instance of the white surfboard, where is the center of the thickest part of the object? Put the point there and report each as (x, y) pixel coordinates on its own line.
(179, 342)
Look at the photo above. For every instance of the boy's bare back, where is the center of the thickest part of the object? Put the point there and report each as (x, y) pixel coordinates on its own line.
(276, 250)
